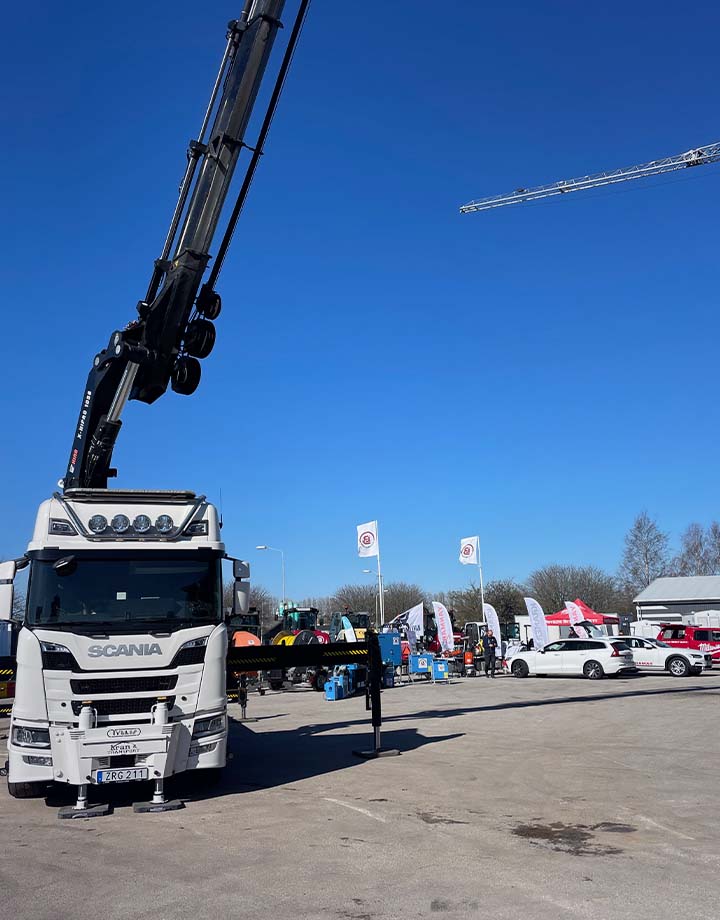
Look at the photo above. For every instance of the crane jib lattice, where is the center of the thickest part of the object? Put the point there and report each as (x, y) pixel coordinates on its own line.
(698, 156)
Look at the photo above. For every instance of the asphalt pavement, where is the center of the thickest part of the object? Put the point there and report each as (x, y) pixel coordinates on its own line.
(543, 798)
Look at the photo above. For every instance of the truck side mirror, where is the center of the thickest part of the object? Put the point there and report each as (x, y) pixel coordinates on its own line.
(7, 577)
(241, 588)
(241, 569)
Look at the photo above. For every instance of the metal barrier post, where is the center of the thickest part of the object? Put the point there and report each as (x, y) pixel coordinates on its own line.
(372, 700)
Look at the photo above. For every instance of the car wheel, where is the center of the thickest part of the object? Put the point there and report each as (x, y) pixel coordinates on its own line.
(678, 667)
(593, 670)
(519, 669)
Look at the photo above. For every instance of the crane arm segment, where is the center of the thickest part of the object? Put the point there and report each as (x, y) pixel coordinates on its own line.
(696, 157)
(174, 325)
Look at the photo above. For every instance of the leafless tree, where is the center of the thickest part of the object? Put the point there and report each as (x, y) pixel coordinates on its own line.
(356, 597)
(713, 547)
(506, 596)
(645, 556)
(693, 558)
(464, 604)
(324, 606)
(552, 585)
(400, 596)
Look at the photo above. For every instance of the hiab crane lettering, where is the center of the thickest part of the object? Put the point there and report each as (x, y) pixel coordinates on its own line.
(113, 570)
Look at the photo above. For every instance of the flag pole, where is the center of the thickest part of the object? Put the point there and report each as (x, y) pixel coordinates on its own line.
(381, 593)
(482, 592)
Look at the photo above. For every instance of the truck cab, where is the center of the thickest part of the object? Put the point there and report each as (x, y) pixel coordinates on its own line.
(121, 654)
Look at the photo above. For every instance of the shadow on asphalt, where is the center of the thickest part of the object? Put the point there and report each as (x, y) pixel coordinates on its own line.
(512, 704)
(265, 760)
(261, 760)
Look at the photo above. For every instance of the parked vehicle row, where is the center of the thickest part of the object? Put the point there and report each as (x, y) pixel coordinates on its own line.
(596, 657)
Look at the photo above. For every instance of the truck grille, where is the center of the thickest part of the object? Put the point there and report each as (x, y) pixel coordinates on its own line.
(122, 707)
(157, 684)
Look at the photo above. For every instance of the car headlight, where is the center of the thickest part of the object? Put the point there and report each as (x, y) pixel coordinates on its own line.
(31, 737)
(209, 726)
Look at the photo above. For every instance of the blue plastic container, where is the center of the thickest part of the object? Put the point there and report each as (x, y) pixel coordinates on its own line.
(390, 648)
(335, 689)
(440, 669)
(388, 677)
(421, 664)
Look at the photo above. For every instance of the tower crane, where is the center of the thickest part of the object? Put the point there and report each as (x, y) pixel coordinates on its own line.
(696, 157)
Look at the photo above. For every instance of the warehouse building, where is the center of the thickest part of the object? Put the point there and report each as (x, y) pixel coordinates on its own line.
(668, 600)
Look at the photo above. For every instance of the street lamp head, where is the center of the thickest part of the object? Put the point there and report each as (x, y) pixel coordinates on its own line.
(261, 547)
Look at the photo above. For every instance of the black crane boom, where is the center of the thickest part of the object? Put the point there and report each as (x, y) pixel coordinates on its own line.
(174, 327)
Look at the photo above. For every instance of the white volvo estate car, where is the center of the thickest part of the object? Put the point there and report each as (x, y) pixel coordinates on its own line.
(652, 655)
(591, 658)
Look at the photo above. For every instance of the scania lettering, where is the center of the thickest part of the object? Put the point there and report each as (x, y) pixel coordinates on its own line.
(124, 634)
(109, 651)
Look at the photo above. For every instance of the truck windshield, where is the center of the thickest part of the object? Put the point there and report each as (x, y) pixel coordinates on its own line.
(117, 593)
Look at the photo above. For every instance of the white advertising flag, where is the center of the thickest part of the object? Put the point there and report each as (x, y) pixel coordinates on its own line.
(444, 627)
(576, 616)
(367, 539)
(469, 550)
(493, 622)
(415, 620)
(538, 623)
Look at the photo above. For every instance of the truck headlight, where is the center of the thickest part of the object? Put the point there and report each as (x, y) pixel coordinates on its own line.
(57, 657)
(36, 761)
(31, 737)
(195, 643)
(210, 726)
(191, 652)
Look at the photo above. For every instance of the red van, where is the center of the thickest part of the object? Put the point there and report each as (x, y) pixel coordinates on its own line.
(684, 635)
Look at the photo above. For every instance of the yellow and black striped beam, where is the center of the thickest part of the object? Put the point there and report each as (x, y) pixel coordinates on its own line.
(265, 657)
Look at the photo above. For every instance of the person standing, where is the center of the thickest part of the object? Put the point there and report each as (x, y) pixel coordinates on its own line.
(490, 645)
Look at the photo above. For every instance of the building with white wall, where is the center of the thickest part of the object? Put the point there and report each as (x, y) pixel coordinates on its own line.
(668, 600)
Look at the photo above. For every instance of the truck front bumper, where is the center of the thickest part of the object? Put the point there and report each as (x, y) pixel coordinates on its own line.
(76, 754)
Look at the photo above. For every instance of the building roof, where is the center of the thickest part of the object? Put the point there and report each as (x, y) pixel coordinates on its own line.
(684, 589)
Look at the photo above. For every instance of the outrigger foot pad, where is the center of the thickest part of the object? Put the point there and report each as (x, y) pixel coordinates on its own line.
(141, 808)
(373, 755)
(92, 811)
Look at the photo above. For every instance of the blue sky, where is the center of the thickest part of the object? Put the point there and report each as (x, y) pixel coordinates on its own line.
(537, 375)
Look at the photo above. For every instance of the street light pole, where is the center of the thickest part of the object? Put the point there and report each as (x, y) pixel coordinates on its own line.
(274, 549)
(377, 595)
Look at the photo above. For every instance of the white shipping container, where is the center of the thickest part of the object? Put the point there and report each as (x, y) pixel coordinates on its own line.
(704, 618)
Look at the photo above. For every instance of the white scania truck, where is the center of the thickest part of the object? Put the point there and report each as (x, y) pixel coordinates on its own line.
(121, 656)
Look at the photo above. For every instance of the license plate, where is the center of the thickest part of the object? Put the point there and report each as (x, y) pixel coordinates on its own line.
(126, 775)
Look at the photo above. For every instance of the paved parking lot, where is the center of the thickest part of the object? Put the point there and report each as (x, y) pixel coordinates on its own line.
(540, 798)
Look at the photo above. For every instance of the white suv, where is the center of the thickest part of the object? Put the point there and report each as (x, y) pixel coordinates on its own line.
(593, 658)
(652, 655)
